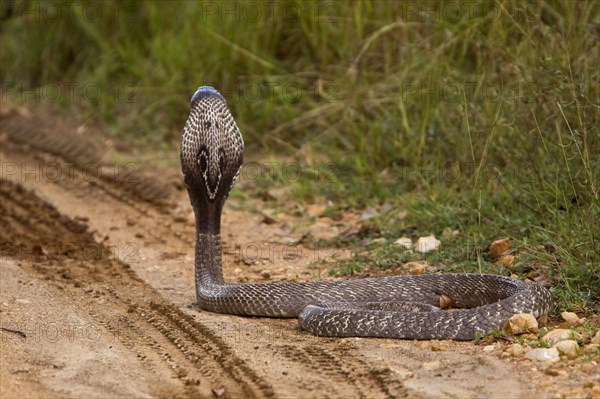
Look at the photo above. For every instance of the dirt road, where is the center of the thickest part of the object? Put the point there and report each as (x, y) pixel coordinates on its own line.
(96, 299)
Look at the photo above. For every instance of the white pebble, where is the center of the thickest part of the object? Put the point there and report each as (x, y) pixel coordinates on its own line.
(427, 244)
(544, 354)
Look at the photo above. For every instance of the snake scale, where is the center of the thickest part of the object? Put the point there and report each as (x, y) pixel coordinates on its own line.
(406, 307)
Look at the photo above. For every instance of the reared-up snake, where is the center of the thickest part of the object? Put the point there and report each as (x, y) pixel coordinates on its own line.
(407, 307)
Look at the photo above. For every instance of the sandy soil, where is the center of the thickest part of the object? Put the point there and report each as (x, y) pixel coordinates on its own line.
(97, 300)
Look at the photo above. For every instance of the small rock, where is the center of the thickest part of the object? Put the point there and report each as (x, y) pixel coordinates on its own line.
(369, 213)
(218, 391)
(435, 347)
(500, 247)
(516, 350)
(431, 366)
(560, 334)
(590, 368)
(489, 348)
(571, 318)
(415, 267)
(522, 323)
(404, 242)
(544, 354)
(427, 244)
(556, 372)
(567, 347)
(265, 275)
(315, 210)
(23, 301)
(590, 348)
(267, 219)
(445, 301)
(507, 260)
(596, 339)
(323, 231)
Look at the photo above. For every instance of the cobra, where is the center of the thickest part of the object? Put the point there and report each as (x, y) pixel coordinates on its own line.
(406, 307)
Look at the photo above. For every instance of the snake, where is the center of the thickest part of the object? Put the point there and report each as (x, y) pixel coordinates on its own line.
(454, 306)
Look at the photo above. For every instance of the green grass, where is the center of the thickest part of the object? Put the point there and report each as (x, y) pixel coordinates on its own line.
(486, 123)
(544, 243)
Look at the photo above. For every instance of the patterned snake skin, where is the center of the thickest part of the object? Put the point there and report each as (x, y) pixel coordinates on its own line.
(395, 307)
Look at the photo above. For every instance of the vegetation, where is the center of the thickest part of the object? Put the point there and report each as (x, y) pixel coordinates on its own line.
(478, 117)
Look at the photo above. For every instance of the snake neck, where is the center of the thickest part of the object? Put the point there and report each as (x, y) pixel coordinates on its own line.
(208, 263)
(209, 269)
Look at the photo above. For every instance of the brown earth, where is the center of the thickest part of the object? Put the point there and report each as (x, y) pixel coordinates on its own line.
(97, 299)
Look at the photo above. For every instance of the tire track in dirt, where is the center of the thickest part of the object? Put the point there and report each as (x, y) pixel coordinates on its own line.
(165, 339)
(137, 322)
(69, 172)
(337, 369)
(124, 178)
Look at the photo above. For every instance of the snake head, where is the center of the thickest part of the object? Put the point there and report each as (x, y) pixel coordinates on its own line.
(212, 149)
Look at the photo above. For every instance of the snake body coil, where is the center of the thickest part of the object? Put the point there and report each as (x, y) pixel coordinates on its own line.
(395, 307)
